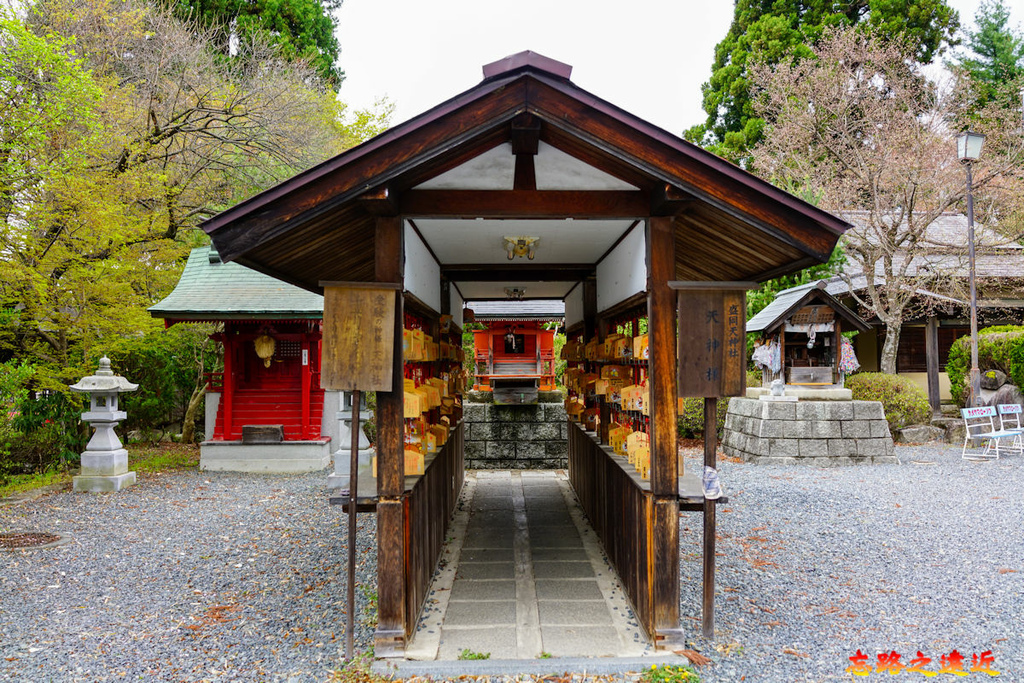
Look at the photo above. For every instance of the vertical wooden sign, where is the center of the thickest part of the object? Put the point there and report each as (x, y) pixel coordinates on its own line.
(359, 334)
(712, 352)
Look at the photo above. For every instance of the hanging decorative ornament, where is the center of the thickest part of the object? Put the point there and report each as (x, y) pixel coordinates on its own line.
(265, 345)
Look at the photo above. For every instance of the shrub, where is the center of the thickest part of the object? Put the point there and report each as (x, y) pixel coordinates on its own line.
(904, 402)
(691, 419)
(999, 348)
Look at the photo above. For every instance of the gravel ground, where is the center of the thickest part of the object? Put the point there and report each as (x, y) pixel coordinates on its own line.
(184, 577)
(226, 577)
(814, 564)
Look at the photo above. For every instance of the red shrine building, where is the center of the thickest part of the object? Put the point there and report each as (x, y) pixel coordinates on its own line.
(515, 352)
(265, 411)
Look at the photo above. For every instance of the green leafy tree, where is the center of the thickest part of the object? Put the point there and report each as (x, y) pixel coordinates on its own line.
(995, 57)
(115, 144)
(303, 29)
(770, 31)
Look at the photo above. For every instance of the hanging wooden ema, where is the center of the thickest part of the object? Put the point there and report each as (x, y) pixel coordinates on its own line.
(359, 335)
(712, 338)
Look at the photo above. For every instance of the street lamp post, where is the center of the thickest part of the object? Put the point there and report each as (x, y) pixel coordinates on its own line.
(968, 150)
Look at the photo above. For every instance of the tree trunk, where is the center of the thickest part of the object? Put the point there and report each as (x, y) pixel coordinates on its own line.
(188, 423)
(889, 348)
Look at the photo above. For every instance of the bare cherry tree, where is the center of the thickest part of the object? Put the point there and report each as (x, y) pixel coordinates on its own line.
(860, 127)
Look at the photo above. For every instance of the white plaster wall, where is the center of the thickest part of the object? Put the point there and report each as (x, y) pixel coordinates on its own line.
(457, 305)
(574, 307)
(422, 273)
(623, 272)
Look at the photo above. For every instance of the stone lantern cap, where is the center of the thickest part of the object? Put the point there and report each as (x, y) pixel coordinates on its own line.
(104, 381)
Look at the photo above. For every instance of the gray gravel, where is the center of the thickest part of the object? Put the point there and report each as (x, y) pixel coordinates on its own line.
(184, 577)
(225, 577)
(815, 563)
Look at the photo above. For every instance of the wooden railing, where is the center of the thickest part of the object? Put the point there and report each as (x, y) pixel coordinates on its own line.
(620, 512)
(428, 511)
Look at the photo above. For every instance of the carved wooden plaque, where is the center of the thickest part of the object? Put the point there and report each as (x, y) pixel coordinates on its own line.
(358, 338)
(712, 342)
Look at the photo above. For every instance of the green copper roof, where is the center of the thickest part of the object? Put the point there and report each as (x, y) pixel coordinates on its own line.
(212, 290)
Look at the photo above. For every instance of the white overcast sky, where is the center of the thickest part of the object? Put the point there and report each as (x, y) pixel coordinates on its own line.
(649, 57)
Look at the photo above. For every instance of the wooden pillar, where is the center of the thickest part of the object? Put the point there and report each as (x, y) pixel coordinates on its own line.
(661, 327)
(389, 640)
(931, 352)
(228, 397)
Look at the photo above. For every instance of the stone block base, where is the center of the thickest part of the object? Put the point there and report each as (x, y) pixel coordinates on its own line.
(98, 483)
(516, 437)
(822, 433)
(338, 479)
(288, 457)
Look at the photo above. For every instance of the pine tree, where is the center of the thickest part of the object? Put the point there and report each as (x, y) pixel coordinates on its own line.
(771, 31)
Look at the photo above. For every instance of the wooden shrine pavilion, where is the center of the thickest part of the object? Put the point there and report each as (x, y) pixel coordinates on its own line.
(265, 410)
(528, 181)
(515, 350)
(807, 324)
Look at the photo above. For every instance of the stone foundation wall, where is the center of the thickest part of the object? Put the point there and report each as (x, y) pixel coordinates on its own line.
(822, 433)
(516, 437)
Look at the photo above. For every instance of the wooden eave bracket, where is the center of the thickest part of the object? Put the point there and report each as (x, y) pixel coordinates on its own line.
(379, 202)
(669, 200)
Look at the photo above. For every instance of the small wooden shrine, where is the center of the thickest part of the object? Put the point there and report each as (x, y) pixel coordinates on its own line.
(801, 337)
(528, 181)
(265, 410)
(515, 352)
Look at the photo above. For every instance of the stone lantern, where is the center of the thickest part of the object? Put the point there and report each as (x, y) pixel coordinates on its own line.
(105, 461)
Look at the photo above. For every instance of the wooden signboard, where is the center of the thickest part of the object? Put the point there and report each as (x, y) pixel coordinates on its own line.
(712, 338)
(359, 336)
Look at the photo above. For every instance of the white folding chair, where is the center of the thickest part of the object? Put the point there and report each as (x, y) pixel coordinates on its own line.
(979, 423)
(1009, 421)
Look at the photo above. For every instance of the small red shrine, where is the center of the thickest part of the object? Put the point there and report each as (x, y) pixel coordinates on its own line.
(265, 411)
(515, 352)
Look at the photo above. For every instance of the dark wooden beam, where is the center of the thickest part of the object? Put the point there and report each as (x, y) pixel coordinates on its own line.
(525, 143)
(668, 200)
(525, 134)
(525, 174)
(523, 204)
(391, 584)
(520, 272)
(379, 202)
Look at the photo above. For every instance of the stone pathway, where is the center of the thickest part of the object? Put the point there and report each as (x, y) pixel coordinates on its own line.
(523, 576)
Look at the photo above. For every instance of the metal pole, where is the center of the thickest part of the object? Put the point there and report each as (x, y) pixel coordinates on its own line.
(353, 480)
(975, 376)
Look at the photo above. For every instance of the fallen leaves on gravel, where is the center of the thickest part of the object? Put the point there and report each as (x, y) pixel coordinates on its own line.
(696, 658)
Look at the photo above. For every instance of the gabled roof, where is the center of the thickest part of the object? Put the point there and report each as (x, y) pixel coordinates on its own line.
(729, 224)
(538, 309)
(789, 301)
(212, 290)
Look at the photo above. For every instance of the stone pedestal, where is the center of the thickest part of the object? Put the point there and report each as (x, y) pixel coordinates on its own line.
(822, 433)
(516, 437)
(104, 462)
(338, 479)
